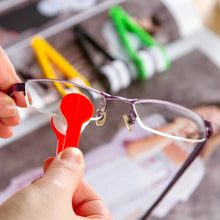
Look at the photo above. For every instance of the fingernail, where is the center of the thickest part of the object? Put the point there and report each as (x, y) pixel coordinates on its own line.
(72, 154)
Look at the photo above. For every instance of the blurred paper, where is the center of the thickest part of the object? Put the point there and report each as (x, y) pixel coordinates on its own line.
(19, 182)
(130, 184)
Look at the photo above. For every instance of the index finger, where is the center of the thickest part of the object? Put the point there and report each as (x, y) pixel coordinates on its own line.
(8, 77)
(87, 203)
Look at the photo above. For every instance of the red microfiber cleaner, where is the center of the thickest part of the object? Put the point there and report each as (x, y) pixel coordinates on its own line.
(75, 110)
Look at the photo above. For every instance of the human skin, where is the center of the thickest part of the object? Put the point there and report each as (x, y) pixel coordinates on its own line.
(9, 116)
(60, 194)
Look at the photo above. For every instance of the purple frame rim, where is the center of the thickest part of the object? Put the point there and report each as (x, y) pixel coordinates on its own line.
(107, 97)
(18, 87)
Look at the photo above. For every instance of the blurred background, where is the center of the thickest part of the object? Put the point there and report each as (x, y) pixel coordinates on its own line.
(189, 32)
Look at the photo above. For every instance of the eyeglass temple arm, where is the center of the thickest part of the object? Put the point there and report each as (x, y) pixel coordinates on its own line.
(17, 87)
(183, 168)
(209, 129)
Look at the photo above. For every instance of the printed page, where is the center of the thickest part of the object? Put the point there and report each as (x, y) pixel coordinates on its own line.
(131, 170)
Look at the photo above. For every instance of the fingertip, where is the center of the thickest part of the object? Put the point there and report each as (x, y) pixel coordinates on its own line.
(64, 172)
(20, 100)
(10, 133)
(5, 131)
(8, 106)
(12, 121)
(84, 201)
(72, 154)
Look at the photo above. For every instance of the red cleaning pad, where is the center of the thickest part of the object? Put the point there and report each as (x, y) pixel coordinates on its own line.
(77, 109)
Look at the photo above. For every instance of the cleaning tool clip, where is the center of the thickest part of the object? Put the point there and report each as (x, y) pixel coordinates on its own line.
(46, 54)
(71, 118)
(146, 62)
(114, 75)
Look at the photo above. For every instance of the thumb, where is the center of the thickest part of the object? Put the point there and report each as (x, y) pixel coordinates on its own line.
(64, 174)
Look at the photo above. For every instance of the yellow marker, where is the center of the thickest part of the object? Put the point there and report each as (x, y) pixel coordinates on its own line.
(46, 55)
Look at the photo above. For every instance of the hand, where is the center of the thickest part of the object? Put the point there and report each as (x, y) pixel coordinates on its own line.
(8, 111)
(59, 194)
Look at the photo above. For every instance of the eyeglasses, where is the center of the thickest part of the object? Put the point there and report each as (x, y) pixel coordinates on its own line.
(42, 95)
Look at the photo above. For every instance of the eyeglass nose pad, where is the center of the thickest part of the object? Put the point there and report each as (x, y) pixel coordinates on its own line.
(100, 121)
(126, 120)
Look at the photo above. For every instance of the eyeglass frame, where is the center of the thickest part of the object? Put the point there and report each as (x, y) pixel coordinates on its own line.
(20, 87)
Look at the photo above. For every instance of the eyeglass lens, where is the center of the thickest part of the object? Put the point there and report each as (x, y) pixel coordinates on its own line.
(183, 122)
(44, 95)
